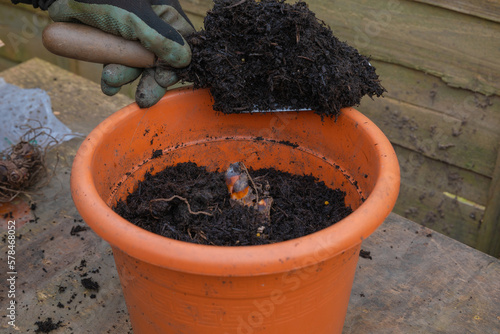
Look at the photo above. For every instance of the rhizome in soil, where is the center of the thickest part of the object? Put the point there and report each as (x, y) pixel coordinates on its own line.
(186, 202)
(268, 55)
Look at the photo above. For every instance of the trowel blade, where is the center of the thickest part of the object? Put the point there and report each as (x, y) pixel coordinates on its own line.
(273, 110)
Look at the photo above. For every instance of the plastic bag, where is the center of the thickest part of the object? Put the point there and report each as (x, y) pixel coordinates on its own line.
(22, 110)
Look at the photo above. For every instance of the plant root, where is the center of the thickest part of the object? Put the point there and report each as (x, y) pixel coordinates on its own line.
(23, 166)
(182, 199)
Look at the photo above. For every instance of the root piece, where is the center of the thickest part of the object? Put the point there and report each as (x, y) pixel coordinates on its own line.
(182, 199)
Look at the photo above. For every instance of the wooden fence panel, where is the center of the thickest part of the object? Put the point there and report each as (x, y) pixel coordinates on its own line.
(445, 198)
(487, 9)
(461, 49)
(489, 233)
(434, 134)
(430, 92)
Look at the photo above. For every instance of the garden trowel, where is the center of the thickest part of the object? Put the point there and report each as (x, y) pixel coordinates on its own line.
(82, 42)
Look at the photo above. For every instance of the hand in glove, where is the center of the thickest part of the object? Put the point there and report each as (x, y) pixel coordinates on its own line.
(158, 24)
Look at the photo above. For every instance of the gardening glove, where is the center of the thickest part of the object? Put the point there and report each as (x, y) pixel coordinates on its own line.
(158, 24)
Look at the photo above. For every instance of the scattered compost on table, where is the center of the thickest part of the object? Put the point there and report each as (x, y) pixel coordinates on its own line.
(47, 326)
(90, 284)
(75, 230)
(365, 254)
(270, 55)
(237, 207)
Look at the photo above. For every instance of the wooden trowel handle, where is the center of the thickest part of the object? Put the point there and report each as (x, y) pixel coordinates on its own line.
(86, 43)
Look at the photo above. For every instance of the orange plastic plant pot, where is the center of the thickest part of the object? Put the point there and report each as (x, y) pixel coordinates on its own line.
(298, 286)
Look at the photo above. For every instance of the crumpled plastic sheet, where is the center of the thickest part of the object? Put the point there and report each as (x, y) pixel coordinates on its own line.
(22, 110)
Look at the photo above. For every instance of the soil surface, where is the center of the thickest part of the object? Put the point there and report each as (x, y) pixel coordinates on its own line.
(269, 55)
(196, 207)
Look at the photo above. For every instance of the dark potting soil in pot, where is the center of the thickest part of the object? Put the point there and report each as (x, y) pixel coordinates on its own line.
(269, 55)
(186, 202)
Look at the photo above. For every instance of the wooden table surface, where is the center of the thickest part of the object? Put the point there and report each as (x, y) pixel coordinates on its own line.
(417, 281)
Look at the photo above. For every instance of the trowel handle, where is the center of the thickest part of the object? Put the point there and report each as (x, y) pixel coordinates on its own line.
(82, 42)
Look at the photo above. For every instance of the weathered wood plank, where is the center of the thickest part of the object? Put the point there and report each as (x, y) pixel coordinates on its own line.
(429, 179)
(6, 63)
(441, 214)
(434, 177)
(487, 9)
(198, 7)
(489, 233)
(461, 49)
(428, 91)
(434, 134)
(442, 197)
(393, 295)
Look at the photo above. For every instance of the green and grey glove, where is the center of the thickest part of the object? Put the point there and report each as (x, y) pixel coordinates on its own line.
(158, 24)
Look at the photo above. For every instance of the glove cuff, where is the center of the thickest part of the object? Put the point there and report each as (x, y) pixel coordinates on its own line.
(43, 4)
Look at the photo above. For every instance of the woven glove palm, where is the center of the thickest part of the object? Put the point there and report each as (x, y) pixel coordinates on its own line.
(158, 24)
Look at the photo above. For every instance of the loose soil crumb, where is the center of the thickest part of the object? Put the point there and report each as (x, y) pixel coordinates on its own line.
(78, 228)
(269, 55)
(365, 254)
(156, 154)
(90, 284)
(47, 326)
(301, 206)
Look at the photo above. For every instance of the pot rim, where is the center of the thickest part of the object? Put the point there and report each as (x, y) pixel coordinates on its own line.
(234, 260)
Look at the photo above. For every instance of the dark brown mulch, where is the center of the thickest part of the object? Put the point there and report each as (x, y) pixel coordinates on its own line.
(365, 254)
(269, 55)
(47, 326)
(301, 206)
(90, 284)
